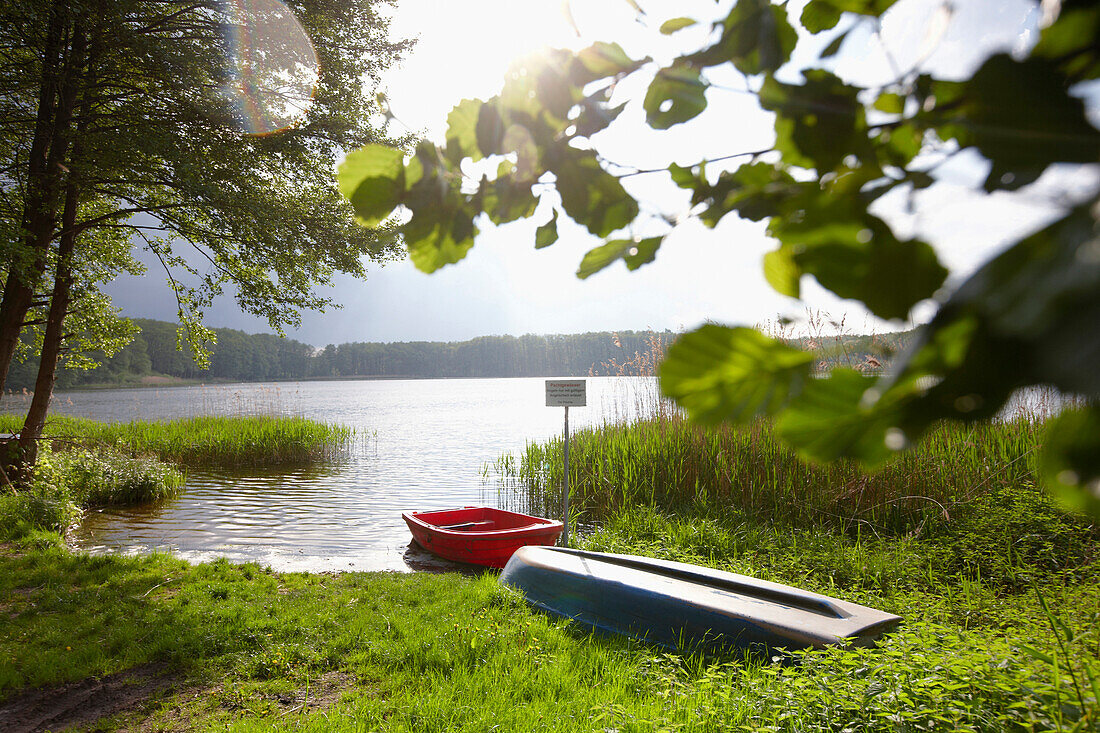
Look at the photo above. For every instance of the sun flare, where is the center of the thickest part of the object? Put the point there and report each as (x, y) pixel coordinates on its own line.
(271, 66)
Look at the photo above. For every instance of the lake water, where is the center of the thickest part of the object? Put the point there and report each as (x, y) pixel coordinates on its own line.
(422, 444)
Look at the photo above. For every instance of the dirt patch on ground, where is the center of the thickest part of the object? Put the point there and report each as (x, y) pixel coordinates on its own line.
(137, 695)
(83, 703)
(322, 692)
(212, 703)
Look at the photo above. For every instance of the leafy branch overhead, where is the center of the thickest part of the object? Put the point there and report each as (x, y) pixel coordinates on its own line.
(1026, 317)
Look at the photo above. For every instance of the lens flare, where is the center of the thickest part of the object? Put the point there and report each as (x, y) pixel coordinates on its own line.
(271, 66)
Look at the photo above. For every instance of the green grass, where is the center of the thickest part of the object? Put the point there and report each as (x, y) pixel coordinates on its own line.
(448, 653)
(207, 441)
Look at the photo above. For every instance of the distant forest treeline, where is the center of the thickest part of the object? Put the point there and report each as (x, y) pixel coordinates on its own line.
(241, 357)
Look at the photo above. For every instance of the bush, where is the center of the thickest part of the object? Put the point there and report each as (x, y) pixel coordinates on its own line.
(40, 507)
(106, 477)
(65, 482)
(1009, 529)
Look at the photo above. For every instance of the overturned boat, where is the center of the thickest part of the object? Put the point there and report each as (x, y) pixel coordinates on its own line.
(679, 606)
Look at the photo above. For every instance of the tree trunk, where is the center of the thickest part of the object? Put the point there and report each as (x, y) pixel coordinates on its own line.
(54, 335)
(57, 97)
(27, 454)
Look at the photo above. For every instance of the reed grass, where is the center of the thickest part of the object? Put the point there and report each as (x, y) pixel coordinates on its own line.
(239, 441)
(672, 463)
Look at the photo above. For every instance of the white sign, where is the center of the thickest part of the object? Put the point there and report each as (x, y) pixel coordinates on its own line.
(565, 393)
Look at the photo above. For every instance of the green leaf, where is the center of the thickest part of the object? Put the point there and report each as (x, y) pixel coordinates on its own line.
(683, 176)
(589, 194)
(756, 38)
(782, 272)
(755, 191)
(507, 199)
(438, 238)
(1069, 463)
(547, 234)
(833, 418)
(601, 60)
(857, 256)
(834, 46)
(1026, 317)
(675, 95)
(634, 253)
(554, 88)
(489, 131)
(441, 229)
(717, 373)
(517, 139)
(372, 179)
(888, 275)
(891, 103)
(595, 116)
(1036, 654)
(901, 144)
(462, 124)
(518, 99)
(1071, 41)
(822, 120)
(1019, 115)
(671, 26)
(819, 15)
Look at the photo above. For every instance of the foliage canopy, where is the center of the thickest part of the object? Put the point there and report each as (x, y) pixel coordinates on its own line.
(1028, 316)
(150, 109)
(149, 122)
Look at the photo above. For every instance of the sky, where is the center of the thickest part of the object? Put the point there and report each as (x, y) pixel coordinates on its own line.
(505, 286)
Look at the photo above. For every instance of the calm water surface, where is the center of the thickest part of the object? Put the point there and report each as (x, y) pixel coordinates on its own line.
(422, 444)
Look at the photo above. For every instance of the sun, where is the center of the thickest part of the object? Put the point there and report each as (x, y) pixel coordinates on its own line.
(464, 50)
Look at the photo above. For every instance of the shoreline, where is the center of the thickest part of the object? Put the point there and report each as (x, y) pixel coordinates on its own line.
(176, 382)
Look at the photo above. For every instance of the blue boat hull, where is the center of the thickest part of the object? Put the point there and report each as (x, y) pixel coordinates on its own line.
(678, 606)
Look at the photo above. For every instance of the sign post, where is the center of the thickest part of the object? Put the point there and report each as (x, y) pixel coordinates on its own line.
(566, 393)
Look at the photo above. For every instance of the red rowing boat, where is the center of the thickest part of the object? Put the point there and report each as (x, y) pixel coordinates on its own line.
(480, 535)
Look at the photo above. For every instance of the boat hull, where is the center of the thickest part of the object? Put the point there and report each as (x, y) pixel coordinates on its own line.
(479, 535)
(678, 606)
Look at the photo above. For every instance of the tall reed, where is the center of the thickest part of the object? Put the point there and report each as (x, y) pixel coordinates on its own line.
(672, 463)
(641, 394)
(648, 454)
(208, 441)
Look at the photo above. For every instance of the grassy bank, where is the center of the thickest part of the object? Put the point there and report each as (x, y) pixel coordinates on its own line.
(953, 535)
(206, 441)
(243, 649)
(963, 506)
(66, 482)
